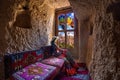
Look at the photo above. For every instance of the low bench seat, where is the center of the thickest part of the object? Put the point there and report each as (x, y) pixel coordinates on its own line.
(14, 62)
(32, 65)
(46, 69)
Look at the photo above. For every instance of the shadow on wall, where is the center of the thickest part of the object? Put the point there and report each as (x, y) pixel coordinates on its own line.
(114, 8)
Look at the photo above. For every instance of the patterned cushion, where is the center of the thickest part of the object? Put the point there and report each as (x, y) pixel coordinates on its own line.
(36, 71)
(54, 62)
(17, 61)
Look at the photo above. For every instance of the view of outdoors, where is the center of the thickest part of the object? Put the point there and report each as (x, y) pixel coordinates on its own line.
(70, 40)
(61, 40)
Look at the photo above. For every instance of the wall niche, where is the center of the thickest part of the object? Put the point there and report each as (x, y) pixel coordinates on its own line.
(23, 20)
(23, 17)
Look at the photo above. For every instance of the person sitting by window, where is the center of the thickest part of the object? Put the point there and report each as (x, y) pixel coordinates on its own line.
(70, 65)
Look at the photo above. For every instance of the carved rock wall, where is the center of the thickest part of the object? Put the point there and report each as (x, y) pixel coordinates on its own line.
(16, 38)
(106, 59)
(17, 34)
(84, 12)
(26, 25)
(104, 62)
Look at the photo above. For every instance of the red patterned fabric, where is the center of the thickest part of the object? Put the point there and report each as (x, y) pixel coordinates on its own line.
(70, 67)
(15, 62)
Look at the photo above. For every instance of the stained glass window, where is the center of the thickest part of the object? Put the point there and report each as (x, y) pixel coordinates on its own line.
(65, 25)
(61, 23)
(61, 27)
(61, 18)
(70, 21)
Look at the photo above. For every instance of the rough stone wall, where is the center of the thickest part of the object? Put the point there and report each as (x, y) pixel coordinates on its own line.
(15, 35)
(58, 3)
(89, 51)
(106, 51)
(22, 39)
(107, 48)
(4, 19)
(16, 39)
(84, 13)
(42, 16)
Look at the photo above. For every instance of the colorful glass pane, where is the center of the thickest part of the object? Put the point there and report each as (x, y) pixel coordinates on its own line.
(61, 27)
(70, 40)
(70, 21)
(61, 40)
(61, 22)
(61, 18)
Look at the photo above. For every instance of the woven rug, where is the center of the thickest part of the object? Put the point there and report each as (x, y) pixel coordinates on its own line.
(82, 74)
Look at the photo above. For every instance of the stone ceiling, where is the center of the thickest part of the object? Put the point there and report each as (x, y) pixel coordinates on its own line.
(55, 3)
(58, 3)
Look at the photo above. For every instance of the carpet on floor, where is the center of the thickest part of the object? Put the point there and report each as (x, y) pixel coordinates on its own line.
(82, 74)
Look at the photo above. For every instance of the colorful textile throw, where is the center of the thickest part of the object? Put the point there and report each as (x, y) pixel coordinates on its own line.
(70, 66)
(54, 61)
(37, 71)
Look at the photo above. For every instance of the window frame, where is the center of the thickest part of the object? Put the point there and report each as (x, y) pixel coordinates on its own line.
(65, 11)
